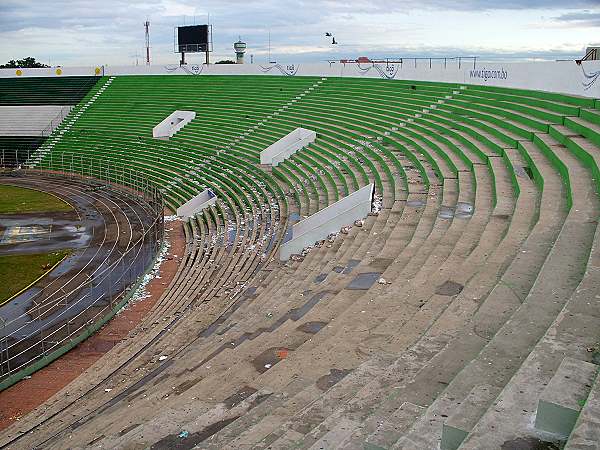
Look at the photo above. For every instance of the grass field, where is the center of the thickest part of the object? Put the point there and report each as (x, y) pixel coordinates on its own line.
(30, 268)
(17, 200)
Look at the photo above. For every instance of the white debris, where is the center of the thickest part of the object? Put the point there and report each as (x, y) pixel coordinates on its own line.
(141, 293)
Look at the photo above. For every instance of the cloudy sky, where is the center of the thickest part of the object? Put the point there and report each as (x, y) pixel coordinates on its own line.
(86, 32)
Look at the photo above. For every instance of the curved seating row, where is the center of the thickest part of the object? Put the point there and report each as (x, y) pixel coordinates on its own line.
(432, 314)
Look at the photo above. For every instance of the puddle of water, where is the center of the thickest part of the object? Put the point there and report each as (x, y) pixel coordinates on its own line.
(311, 327)
(449, 288)
(446, 212)
(528, 443)
(464, 210)
(269, 358)
(363, 281)
(415, 203)
(30, 233)
(320, 278)
(350, 266)
(335, 376)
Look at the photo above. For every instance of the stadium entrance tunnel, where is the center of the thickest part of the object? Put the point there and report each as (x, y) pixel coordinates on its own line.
(113, 237)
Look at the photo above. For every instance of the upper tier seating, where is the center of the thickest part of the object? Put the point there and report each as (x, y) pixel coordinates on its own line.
(448, 309)
(44, 91)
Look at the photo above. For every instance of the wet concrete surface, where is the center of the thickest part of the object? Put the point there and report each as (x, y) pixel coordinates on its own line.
(186, 440)
(463, 210)
(415, 203)
(449, 288)
(332, 378)
(269, 358)
(529, 443)
(294, 314)
(311, 327)
(190, 440)
(151, 378)
(520, 171)
(293, 219)
(238, 397)
(446, 212)
(381, 264)
(363, 281)
(352, 263)
(320, 278)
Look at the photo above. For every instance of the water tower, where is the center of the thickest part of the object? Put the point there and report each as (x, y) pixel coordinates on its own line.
(240, 49)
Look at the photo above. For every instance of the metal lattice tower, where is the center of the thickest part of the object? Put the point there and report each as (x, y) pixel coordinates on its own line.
(147, 27)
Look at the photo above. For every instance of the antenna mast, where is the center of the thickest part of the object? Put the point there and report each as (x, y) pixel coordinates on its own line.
(147, 27)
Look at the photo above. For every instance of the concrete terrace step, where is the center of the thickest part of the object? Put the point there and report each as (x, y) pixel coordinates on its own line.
(506, 297)
(505, 430)
(586, 433)
(336, 351)
(572, 332)
(490, 278)
(560, 402)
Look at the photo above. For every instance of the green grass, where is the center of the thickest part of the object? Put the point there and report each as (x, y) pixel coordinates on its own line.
(18, 200)
(19, 271)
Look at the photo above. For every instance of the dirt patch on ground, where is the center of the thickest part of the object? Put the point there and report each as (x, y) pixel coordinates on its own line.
(28, 394)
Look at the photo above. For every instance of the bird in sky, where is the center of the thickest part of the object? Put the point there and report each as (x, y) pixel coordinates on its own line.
(328, 34)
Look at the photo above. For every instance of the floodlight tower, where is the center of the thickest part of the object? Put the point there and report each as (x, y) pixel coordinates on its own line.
(147, 27)
(240, 49)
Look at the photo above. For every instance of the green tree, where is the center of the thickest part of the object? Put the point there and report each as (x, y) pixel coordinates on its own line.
(25, 63)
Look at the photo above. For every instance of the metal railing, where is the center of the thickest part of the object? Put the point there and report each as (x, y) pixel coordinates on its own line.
(56, 120)
(57, 318)
(413, 61)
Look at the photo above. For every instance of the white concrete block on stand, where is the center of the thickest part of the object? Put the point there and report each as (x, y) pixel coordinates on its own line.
(203, 200)
(172, 124)
(287, 146)
(329, 220)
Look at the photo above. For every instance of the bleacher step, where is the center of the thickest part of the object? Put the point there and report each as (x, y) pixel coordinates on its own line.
(457, 427)
(396, 423)
(559, 405)
(586, 433)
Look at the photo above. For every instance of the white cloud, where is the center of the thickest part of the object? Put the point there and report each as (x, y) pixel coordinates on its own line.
(77, 32)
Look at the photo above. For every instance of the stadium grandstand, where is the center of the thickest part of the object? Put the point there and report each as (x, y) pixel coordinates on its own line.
(462, 311)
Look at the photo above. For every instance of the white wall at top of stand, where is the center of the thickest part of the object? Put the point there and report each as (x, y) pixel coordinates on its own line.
(552, 76)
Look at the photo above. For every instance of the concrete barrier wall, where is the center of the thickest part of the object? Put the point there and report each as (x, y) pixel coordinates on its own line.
(329, 220)
(287, 146)
(553, 76)
(203, 200)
